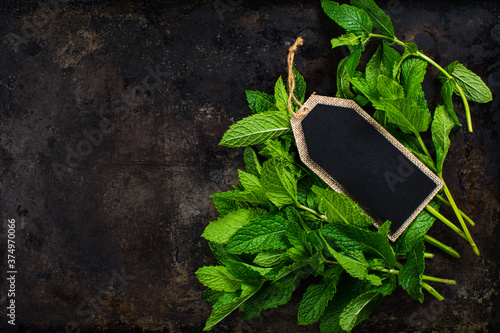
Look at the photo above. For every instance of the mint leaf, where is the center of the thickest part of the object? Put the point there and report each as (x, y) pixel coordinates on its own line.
(350, 18)
(372, 242)
(353, 262)
(347, 291)
(367, 88)
(339, 208)
(345, 71)
(218, 278)
(416, 231)
(410, 275)
(250, 182)
(297, 236)
(275, 149)
(346, 39)
(221, 230)
(266, 232)
(279, 183)
(224, 202)
(256, 129)
(260, 102)
(473, 87)
(412, 74)
(228, 302)
(390, 58)
(271, 295)
(300, 86)
(317, 296)
(252, 161)
(374, 67)
(388, 88)
(385, 228)
(359, 309)
(212, 295)
(242, 271)
(447, 94)
(442, 124)
(268, 258)
(406, 114)
(281, 96)
(378, 18)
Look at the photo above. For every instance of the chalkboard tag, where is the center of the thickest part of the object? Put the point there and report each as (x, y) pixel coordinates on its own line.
(357, 157)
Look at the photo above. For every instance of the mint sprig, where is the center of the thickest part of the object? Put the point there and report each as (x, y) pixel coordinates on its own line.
(392, 84)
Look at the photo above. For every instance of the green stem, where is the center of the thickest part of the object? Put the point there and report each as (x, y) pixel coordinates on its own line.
(426, 256)
(312, 211)
(448, 249)
(422, 144)
(460, 219)
(424, 277)
(446, 202)
(446, 221)
(432, 291)
(441, 69)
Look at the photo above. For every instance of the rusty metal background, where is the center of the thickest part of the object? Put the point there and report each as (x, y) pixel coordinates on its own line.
(111, 114)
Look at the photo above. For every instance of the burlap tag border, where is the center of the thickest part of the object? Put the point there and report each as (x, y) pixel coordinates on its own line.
(296, 123)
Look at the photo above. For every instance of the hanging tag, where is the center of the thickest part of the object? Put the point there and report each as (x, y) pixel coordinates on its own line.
(357, 157)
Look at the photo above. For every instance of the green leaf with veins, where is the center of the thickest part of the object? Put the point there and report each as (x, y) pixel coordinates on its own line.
(279, 183)
(345, 71)
(281, 96)
(267, 232)
(339, 208)
(416, 231)
(268, 258)
(405, 113)
(218, 278)
(412, 74)
(410, 275)
(228, 302)
(350, 18)
(256, 129)
(252, 162)
(317, 296)
(221, 230)
(346, 39)
(379, 19)
(441, 127)
(260, 102)
(388, 88)
(447, 94)
(473, 87)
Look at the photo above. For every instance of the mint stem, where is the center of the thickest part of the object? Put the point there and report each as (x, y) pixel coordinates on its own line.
(432, 291)
(312, 211)
(426, 256)
(441, 69)
(448, 249)
(424, 277)
(460, 219)
(446, 221)
(446, 202)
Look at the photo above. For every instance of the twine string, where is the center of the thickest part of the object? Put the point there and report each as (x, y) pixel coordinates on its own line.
(291, 77)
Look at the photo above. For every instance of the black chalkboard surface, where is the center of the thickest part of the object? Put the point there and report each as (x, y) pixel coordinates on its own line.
(368, 163)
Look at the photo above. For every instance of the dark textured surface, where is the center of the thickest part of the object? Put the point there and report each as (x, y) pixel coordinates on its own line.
(110, 242)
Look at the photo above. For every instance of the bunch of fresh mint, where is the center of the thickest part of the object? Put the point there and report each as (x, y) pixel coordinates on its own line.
(282, 223)
(391, 84)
